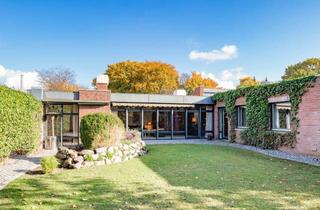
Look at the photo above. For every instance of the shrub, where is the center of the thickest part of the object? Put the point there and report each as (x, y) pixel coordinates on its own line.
(48, 164)
(20, 122)
(88, 158)
(132, 136)
(100, 130)
(109, 155)
(100, 157)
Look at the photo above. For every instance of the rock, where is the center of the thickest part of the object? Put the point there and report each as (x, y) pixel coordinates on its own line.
(86, 152)
(125, 147)
(110, 149)
(101, 150)
(61, 156)
(72, 153)
(67, 163)
(117, 159)
(76, 165)
(99, 162)
(88, 163)
(78, 159)
(63, 150)
(95, 156)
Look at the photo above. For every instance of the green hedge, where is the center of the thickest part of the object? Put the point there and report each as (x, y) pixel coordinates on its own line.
(20, 122)
(100, 129)
(257, 109)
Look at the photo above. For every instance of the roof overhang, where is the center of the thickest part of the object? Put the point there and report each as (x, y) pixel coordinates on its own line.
(167, 105)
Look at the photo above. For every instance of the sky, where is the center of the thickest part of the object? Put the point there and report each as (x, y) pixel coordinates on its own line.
(223, 40)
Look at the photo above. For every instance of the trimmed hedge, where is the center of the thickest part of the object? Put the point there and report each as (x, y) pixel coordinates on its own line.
(100, 130)
(20, 122)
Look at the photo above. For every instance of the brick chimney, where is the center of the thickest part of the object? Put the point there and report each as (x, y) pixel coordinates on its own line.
(198, 91)
(102, 82)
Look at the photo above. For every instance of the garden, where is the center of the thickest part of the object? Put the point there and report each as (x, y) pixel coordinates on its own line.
(173, 176)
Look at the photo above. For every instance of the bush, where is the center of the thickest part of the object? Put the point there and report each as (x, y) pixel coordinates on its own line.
(88, 158)
(109, 155)
(20, 122)
(100, 130)
(48, 164)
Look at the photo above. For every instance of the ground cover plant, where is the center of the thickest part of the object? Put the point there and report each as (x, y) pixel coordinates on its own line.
(174, 177)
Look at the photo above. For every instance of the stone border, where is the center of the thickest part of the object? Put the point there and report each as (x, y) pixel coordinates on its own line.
(272, 153)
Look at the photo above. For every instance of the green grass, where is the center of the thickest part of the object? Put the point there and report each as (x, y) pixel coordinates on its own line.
(174, 177)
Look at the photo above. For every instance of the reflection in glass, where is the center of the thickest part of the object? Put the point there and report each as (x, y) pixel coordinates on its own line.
(179, 124)
(164, 124)
(149, 124)
(193, 123)
(134, 120)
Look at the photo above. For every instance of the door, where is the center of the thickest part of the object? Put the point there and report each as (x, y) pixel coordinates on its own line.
(193, 123)
(223, 123)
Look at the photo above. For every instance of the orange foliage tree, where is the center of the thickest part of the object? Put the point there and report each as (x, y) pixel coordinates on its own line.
(196, 80)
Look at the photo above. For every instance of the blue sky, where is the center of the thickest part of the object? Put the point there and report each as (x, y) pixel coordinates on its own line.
(86, 36)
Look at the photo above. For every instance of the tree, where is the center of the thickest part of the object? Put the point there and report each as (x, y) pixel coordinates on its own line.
(58, 78)
(308, 67)
(183, 78)
(142, 77)
(248, 81)
(196, 80)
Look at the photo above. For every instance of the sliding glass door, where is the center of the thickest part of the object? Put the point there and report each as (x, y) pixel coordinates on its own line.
(179, 124)
(193, 123)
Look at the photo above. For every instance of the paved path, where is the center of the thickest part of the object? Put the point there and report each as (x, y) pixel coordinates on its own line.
(19, 165)
(273, 153)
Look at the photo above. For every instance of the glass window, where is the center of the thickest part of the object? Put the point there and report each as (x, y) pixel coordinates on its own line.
(54, 109)
(70, 108)
(179, 126)
(149, 124)
(122, 115)
(241, 117)
(206, 123)
(134, 120)
(281, 116)
(164, 124)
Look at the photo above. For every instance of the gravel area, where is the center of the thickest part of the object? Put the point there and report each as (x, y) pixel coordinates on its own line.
(273, 153)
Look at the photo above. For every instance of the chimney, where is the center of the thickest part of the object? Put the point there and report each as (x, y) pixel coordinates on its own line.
(102, 82)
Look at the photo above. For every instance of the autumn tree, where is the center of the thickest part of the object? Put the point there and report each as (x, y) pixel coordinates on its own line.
(248, 82)
(142, 77)
(182, 79)
(308, 67)
(58, 78)
(196, 80)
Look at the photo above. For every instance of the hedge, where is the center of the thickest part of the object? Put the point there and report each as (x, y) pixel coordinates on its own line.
(258, 132)
(100, 130)
(20, 122)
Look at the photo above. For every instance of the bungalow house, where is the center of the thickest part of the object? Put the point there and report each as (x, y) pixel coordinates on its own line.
(188, 117)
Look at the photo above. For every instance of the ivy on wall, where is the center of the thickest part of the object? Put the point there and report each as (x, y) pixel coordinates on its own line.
(20, 122)
(258, 131)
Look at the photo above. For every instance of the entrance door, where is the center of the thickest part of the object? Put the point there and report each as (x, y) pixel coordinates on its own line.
(193, 124)
(223, 123)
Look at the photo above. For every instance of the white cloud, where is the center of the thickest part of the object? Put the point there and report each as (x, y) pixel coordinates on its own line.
(11, 78)
(228, 78)
(225, 53)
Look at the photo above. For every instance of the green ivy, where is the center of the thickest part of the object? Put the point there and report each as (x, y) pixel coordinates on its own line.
(258, 114)
(20, 122)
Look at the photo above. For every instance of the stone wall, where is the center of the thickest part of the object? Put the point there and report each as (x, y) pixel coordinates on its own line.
(73, 159)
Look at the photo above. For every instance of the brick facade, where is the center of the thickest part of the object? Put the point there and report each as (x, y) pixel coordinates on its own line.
(308, 138)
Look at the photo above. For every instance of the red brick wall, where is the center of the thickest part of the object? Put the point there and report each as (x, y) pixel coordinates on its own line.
(198, 91)
(308, 139)
(95, 95)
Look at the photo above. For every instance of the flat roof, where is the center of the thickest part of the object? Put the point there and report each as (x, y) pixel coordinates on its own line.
(159, 99)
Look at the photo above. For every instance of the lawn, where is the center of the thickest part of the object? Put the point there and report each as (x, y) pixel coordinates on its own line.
(174, 177)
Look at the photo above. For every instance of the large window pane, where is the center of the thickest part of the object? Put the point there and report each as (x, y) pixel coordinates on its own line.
(149, 124)
(122, 115)
(193, 124)
(134, 120)
(165, 124)
(179, 124)
(206, 123)
(54, 109)
(241, 117)
(281, 116)
(70, 108)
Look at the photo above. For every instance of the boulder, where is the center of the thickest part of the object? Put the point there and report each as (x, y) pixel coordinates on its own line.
(101, 150)
(67, 163)
(86, 152)
(99, 162)
(110, 149)
(107, 161)
(78, 159)
(61, 156)
(72, 153)
(95, 156)
(76, 165)
(117, 159)
(63, 150)
(87, 164)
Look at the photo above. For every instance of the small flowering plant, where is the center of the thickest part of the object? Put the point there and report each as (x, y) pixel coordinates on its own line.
(132, 135)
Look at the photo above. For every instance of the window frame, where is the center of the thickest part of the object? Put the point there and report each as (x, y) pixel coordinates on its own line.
(240, 117)
(275, 120)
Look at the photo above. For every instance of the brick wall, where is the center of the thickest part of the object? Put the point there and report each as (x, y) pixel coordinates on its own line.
(90, 109)
(308, 139)
(198, 91)
(95, 95)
